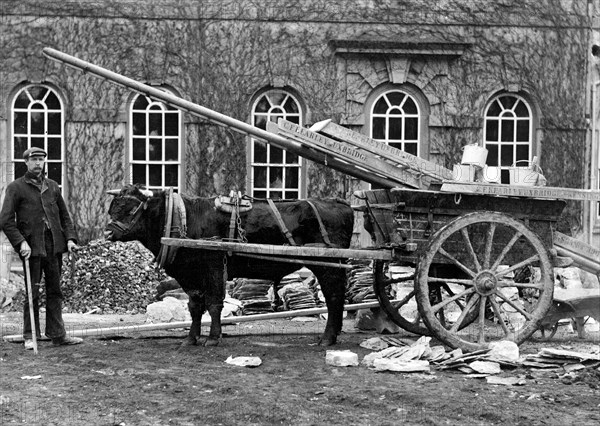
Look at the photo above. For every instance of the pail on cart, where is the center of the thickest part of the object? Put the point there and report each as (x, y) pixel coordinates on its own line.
(463, 172)
(524, 176)
(474, 154)
(491, 174)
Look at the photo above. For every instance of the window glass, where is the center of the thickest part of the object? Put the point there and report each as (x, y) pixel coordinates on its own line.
(54, 148)
(275, 172)
(155, 144)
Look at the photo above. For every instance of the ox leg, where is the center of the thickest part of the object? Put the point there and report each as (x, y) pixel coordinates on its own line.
(197, 307)
(214, 309)
(214, 300)
(333, 286)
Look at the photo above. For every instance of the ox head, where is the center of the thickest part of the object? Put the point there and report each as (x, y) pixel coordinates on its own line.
(125, 212)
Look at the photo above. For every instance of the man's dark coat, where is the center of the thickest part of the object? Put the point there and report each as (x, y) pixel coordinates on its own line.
(26, 209)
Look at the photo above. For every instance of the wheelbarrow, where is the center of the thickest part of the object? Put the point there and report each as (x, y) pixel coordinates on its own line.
(577, 305)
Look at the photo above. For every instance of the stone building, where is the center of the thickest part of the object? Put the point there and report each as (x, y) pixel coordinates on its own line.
(517, 76)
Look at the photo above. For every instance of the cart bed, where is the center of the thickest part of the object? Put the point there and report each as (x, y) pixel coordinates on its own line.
(402, 216)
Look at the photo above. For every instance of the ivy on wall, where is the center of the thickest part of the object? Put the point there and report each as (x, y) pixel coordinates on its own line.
(220, 53)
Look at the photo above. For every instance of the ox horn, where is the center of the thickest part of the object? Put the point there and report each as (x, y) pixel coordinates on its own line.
(147, 193)
(113, 192)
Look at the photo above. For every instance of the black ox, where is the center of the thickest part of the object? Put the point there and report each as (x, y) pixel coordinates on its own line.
(138, 214)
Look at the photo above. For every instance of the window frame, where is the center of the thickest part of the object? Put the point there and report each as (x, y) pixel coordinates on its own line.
(163, 108)
(423, 107)
(531, 143)
(596, 170)
(401, 142)
(423, 148)
(12, 131)
(251, 163)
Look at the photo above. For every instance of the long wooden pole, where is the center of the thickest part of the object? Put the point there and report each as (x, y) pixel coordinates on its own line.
(275, 250)
(112, 331)
(216, 117)
(31, 311)
(298, 261)
(580, 261)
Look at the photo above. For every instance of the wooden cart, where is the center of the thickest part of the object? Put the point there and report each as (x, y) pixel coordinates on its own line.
(465, 249)
(464, 242)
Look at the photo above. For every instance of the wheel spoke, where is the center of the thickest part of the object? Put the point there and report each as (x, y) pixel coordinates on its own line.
(520, 285)
(482, 319)
(514, 305)
(519, 265)
(390, 281)
(442, 316)
(499, 316)
(488, 245)
(482, 300)
(456, 262)
(405, 300)
(464, 313)
(465, 235)
(417, 319)
(506, 249)
(449, 280)
(451, 293)
(440, 305)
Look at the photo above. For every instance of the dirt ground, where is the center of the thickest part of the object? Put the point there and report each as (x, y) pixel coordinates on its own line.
(146, 378)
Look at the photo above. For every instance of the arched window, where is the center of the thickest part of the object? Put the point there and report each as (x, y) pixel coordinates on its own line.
(275, 173)
(508, 133)
(395, 119)
(37, 121)
(155, 144)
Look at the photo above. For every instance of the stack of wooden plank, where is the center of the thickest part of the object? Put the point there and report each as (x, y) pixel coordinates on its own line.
(360, 282)
(253, 294)
(387, 165)
(296, 294)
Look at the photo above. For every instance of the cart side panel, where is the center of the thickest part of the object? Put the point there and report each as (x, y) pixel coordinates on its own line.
(413, 216)
(383, 222)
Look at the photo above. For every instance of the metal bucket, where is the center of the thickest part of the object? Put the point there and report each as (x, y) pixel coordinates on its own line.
(463, 173)
(474, 154)
(491, 174)
(524, 176)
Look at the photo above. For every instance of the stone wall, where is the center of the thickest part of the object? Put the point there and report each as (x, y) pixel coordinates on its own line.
(219, 54)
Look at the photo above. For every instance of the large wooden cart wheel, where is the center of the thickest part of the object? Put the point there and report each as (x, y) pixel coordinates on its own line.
(488, 247)
(403, 310)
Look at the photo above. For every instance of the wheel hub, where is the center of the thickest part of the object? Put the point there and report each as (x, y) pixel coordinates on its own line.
(486, 283)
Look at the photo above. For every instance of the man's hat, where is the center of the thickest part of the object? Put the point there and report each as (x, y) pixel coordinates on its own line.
(34, 152)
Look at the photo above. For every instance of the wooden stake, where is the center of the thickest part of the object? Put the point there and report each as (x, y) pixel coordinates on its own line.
(120, 330)
(31, 313)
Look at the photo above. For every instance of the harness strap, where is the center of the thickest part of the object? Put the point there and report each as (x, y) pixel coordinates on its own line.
(136, 214)
(178, 224)
(324, 233)
(169, 203)
(164, 250)
(232, 223)
(279, 220)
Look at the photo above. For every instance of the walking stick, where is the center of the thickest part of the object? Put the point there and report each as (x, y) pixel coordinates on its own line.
(31, 314)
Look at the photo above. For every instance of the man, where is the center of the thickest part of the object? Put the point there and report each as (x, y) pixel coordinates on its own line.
(35, 219)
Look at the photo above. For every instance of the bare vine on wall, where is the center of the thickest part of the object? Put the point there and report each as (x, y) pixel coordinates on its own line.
(219, 54)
